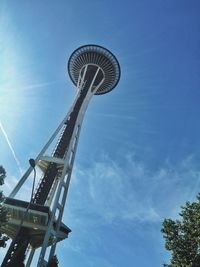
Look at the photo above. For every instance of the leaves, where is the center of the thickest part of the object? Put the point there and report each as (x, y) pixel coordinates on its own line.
(3, 211)
(182, 237)
(2, 175)
(3, 217)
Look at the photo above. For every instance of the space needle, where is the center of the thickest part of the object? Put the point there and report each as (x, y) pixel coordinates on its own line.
(38, 225)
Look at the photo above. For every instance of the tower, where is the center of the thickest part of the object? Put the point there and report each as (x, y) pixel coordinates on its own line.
(38, 224)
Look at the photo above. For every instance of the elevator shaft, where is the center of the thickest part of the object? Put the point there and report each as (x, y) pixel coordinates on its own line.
(60, 151)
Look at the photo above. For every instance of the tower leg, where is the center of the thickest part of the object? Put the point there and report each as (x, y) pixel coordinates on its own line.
(30, 258)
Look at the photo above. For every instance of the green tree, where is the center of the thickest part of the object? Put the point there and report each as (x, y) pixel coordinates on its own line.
(3, 216)
(3, 212)
(2, 175)
(182, 237)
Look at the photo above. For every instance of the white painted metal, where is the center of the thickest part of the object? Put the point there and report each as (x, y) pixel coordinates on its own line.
(30, 258)
(42, 152)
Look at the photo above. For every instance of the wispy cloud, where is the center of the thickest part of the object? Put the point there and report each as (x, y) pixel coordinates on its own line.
(114, 116)
(117, 193)
(39, 85)
(11, 147)
(133, 192)
(126, 196)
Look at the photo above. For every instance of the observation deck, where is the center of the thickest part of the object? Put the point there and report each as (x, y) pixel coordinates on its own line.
(35, 220)
(95, 55)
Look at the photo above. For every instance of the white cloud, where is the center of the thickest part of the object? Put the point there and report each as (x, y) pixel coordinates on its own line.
(132, 192)
(114, 193)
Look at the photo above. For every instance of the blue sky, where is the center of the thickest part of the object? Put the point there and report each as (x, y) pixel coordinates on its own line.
(138, 155)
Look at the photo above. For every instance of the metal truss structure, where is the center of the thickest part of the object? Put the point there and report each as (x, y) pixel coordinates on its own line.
(38, 224)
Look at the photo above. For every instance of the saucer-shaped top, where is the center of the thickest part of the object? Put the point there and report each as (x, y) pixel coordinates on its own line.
(99, 56)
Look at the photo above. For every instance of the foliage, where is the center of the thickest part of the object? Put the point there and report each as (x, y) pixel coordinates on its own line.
(2, 175)
(182, 237)
(3, 216)
(3, 212)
